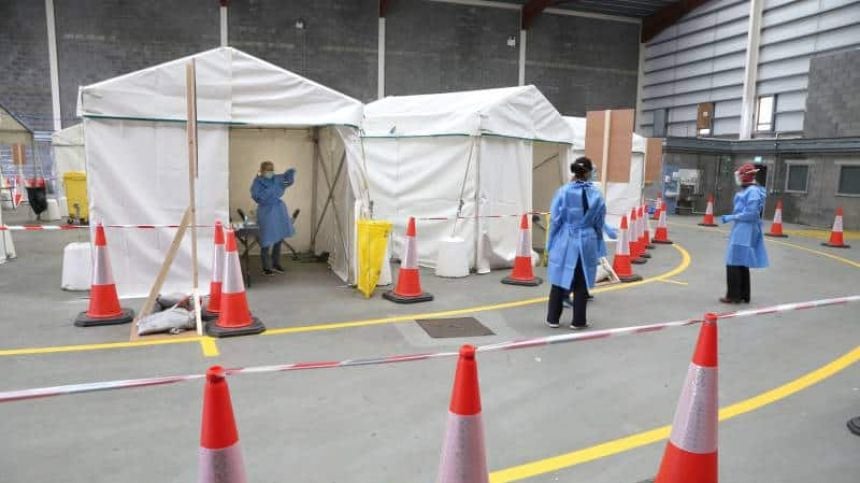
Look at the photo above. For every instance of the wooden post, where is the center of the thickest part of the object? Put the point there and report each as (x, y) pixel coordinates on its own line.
(604, 166)
(191, 128)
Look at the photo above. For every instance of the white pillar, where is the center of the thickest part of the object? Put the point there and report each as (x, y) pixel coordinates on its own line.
(223, 26)
(380, 60)
(748, 103)
(522, 61)
(52, 62)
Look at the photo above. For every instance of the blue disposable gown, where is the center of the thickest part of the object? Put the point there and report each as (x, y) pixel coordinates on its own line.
(746, 243)
(272, 215)
(574, 235)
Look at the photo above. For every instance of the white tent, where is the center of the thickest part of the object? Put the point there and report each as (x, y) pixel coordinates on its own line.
(472, 153)
(248, 111)
(68, 147)
(620, 197)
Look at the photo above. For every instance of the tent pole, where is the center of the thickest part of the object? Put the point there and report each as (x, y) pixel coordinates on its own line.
(191, 128)
(315, 180)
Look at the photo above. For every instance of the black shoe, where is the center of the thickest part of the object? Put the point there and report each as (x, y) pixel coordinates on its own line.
(268, 273)
(579, 327)
(553, 325)
(278, 269)
(727, 300)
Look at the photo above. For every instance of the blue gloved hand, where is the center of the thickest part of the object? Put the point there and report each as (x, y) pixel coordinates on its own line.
(612, 233)
(725, 218)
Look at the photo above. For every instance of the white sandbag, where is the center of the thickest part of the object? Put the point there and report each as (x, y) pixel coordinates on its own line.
(77, 266)
(173, 320)
(453, 258)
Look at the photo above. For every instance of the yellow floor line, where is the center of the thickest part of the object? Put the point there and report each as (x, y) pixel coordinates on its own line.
(644, 438)
(209, 346)
(820, 234)
(685, 263)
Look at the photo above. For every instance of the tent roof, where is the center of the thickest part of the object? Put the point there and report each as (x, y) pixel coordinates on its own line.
(520, 112)
(577, 125)
(12, 129)
(70, 136)
(232, 88)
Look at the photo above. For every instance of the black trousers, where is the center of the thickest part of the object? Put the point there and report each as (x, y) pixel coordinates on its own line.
(580, 298)
(738, 283)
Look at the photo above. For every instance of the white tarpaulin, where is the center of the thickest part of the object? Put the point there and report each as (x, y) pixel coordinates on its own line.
(471, 153)
(137, 161)
(620, 197)
(68, 147)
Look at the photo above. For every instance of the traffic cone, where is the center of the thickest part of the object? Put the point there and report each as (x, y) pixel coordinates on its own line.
(708, 219)
(621, 261)
(104, 308)
(657, 207)
(464, 459)
(837, 238)
(662, 234)
(220, 458)
(408, 289)
(213, 306)
(691, 453)
(523, 274)
(234, 317)
(648, 243)
(636, 248)
(643, 241)
(776, 226)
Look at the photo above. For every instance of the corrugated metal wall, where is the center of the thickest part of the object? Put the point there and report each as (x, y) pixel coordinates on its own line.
(701, 59)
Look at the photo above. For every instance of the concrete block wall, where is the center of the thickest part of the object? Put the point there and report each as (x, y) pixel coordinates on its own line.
(818, 205)
(833, 102)
(579, 63)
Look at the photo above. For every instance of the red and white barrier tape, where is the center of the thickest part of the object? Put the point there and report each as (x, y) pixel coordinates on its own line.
(445, 218)
(43, 392)
(86, 227)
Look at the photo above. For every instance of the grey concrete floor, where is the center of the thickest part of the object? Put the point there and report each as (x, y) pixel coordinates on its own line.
(385, 423)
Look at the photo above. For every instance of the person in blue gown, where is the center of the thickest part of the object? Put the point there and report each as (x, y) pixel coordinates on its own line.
(273, 217)
(577, 218)
(746, 241)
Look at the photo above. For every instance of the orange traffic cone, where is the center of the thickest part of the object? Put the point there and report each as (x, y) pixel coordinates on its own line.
(642, 240)
(658, 204)
(523, 274)
(464, 459)
(213, 307)
(621, 261)
(104, 308)
(837, 238)
(408, 289)
(708, 219)
(776, 226)
(691, 453)
(648, 243)
(662, 234)
(220, 458)
(234, 317)
(636, 249)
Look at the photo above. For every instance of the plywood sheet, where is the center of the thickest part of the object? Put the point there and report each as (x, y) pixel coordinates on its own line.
(653, 159)
(594, 121)
(620, 146)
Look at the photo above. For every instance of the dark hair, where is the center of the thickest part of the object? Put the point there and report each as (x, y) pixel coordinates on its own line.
(581, 167)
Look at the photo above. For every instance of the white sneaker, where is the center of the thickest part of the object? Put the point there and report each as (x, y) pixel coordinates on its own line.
(552, 325)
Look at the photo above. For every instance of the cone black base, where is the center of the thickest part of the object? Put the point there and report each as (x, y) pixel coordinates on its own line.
(826, 244)
(525, 283)
(639, 261)
(776, 236)
(645, 255)
(650, 246)
(854, 425)
(663, 242)
(631, 278)
(208, 316)
(400, 299)
(215, 330)
(708, 224)
(83, 320)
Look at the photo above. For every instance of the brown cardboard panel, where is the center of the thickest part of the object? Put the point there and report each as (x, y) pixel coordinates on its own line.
(620, 146)
(594, 121)
(19, 155)
(653, 160)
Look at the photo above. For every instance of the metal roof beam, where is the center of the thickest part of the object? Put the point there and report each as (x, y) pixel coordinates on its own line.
(666, 17)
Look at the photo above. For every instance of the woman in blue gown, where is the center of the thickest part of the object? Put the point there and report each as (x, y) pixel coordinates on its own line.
(272, 214)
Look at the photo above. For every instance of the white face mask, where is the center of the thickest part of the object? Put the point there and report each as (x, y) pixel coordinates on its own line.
(268, 174)
(738, 179)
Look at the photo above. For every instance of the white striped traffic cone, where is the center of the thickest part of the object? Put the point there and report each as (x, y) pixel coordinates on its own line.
(220, 458)
(408, 289)
(708, 219)
(658, 204)
(662, 234)
(837, 237)
(621, 261)
(633, 240)
(104, 308)
(213, 307)
(464, 458)
(648, 243)
(776, 226)
(523, 272)
(643, 240)
(691, 453)
(234, 318)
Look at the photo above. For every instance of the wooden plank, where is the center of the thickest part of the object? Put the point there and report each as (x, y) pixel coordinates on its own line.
(620, 145)
(191, 131)
(594, 127)
(653, 160)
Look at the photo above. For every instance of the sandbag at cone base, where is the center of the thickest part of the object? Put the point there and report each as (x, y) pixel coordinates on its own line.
(464, 457)
(776, 226)
(408, 289)
(213, 305)
(104, 307)
(691, 453)
(837, 237)
(235, 318)
(523, 272)
(220, 456)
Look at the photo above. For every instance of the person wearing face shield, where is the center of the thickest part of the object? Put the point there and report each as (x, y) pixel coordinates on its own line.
(746, 242)
(272, 215)
(577, 224)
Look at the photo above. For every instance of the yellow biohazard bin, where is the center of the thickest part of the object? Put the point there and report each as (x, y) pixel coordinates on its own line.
(75, 185)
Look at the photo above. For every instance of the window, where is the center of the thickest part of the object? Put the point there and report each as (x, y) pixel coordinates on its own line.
(764, 113)
(660, 117)
(705, 118)
(849, 180)
(796, 178)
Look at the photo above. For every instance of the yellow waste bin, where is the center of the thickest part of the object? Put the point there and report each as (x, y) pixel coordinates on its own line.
(75, 185)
